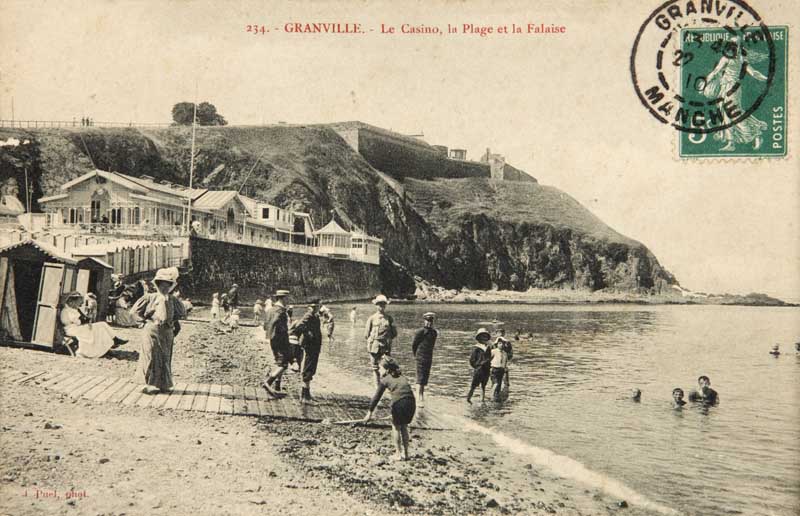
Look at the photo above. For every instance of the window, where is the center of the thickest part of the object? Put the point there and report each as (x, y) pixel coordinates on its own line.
(264, 213)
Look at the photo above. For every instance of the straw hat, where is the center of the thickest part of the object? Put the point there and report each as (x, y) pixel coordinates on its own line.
(169, 275)
(429, 316)
(72, 295)
(482, 331)
(281, 293)
(380, 299)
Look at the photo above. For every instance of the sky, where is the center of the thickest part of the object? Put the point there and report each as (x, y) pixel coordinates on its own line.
(560, 106)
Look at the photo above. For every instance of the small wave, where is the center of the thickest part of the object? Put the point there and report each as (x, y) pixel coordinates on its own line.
(568, 467)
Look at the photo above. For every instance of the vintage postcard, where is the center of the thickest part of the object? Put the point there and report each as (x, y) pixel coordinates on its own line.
(424, 257)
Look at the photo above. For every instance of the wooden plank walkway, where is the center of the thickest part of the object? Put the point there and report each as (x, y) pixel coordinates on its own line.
(233, 400)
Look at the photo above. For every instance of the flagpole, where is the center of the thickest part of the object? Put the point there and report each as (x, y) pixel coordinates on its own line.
(191, 164)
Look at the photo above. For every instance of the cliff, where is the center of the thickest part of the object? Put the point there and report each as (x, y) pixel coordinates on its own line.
(475, 232)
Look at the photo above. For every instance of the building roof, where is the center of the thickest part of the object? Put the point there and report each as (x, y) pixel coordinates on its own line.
(331, 228)
(53, 197)
(42, 248)
(137, 184)
(216, 200)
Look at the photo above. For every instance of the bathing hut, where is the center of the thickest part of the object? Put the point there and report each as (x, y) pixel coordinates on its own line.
(33, 278)
(94, 275)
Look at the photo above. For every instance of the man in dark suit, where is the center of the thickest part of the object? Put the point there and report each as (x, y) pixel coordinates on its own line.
(310, 329)
(276, 326)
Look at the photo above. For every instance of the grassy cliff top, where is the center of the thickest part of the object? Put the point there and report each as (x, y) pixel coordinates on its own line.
(444, 202)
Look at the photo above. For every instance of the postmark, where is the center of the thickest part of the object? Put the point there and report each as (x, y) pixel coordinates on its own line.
(661, 63)
(763, 133)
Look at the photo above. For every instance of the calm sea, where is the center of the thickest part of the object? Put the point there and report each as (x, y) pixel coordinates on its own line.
(570, 383)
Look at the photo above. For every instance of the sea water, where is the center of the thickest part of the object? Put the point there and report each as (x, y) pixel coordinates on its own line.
(570, 403)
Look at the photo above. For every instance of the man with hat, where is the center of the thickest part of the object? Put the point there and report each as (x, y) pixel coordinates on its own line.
(422, 348)
(379, 332)
(309, 330)
(276, 326)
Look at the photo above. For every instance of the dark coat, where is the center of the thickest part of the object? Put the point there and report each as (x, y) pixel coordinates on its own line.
(276, 325)
(309, 328)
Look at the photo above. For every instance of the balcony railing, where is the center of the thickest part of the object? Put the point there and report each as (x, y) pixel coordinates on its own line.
(164, 233)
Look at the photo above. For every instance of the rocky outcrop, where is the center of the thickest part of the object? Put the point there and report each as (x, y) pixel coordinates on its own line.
(474, 233)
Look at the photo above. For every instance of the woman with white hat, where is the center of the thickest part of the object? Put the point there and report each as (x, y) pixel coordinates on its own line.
(94, 339)
(160, 310)
(379, 333)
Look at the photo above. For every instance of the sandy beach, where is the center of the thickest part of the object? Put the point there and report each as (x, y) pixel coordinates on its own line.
(67, 456)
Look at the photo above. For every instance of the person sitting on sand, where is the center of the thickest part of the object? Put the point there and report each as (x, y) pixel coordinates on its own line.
(677, 398)
(422, 349)
(403, 404)
(481, 362)
(636, 395)
(775, 352)
(94, 339)
(258, 311)
(705, 395)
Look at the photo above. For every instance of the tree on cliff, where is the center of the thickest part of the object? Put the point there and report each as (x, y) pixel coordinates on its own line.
(182, 113)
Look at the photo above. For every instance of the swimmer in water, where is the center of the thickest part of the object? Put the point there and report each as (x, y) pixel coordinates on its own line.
(636, 395)
(677, 398)
(775, 352)
(705, 395)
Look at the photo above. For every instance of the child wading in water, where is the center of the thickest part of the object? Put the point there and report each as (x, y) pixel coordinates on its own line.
(403, 404)
(481, 362)
(500, 356)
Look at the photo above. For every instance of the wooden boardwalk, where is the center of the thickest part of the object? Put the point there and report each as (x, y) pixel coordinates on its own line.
(234, 400)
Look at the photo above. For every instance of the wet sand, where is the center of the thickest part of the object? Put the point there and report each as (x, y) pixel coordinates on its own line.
(96, 458)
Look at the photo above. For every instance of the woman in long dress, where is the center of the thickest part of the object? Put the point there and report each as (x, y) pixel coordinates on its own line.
(94, 339)
(160, 311)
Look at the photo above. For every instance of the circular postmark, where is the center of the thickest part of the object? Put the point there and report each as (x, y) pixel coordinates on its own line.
(703, 66)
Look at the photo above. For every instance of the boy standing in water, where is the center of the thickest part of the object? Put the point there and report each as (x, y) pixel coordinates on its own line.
(480, 360)
(403, 404)
(706, 395)
(422, 348)
(499, 364)
(353, 316)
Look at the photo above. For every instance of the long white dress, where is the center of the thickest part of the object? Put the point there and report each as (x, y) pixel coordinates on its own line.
(94, 339)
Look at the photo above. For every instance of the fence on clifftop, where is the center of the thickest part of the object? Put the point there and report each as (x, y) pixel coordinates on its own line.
(62, 124)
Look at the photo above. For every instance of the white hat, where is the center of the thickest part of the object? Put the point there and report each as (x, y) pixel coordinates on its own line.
(380, 299)
(169, 274)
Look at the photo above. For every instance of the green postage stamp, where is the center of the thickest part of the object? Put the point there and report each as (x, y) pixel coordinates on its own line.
(727, 72)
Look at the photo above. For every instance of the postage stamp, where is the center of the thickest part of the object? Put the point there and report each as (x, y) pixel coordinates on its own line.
(713, 71)
(715, 67)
